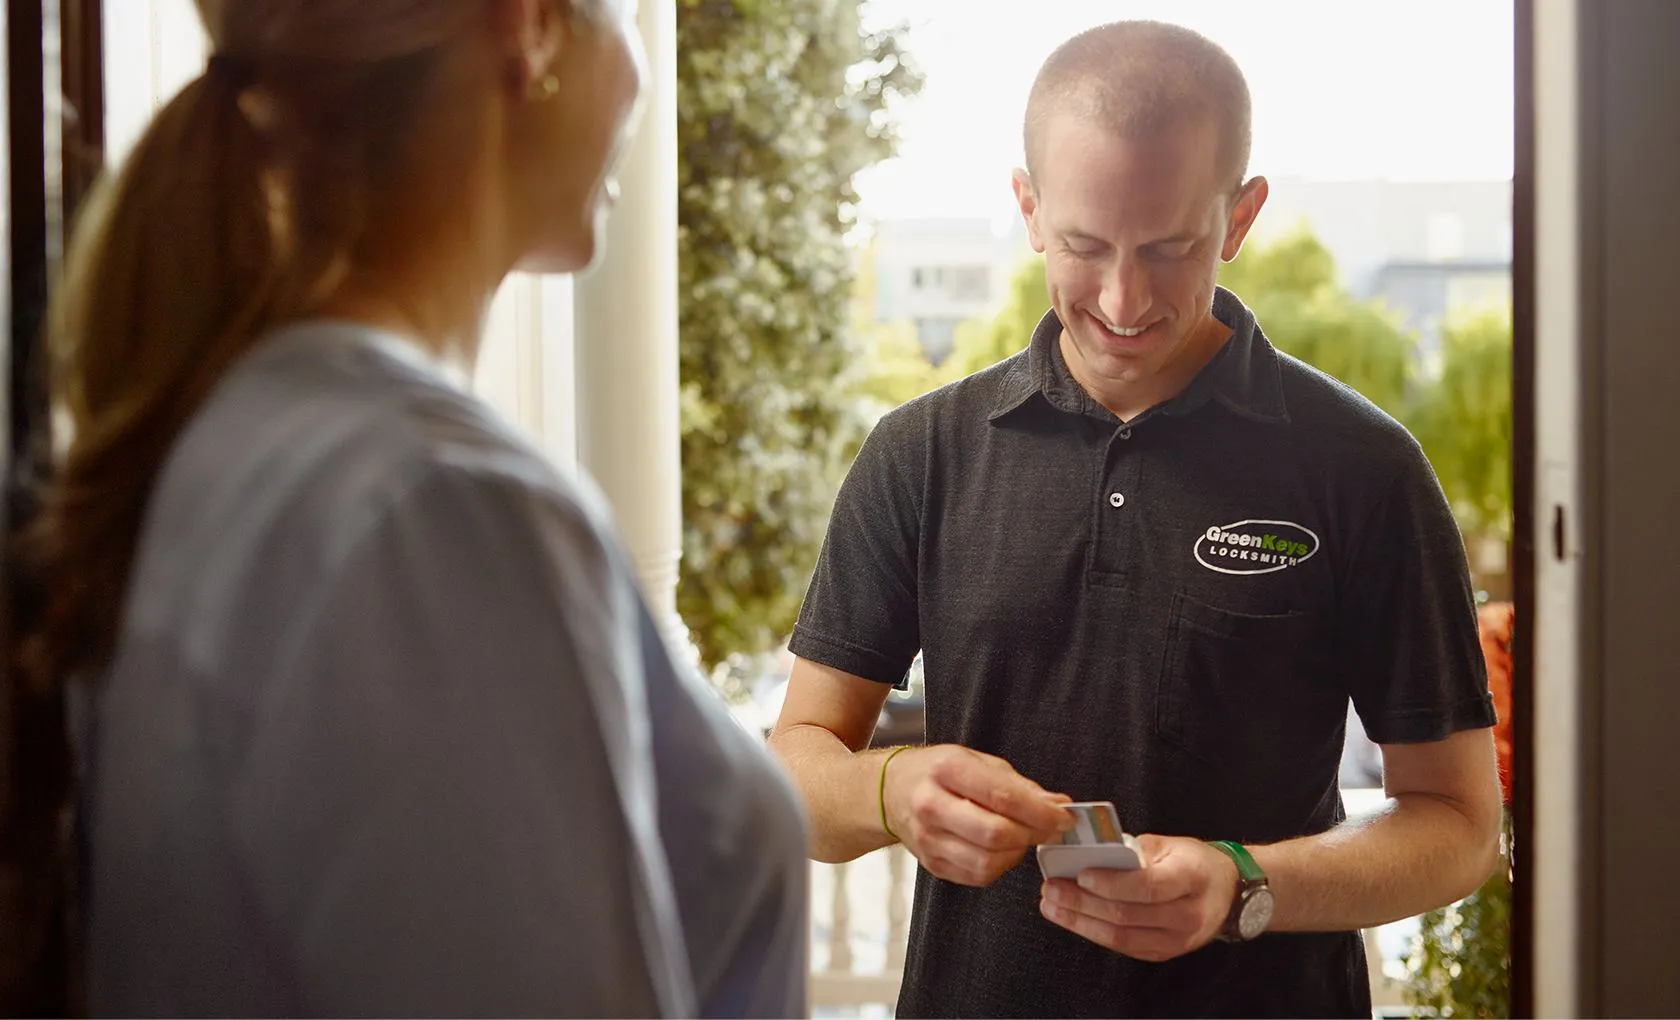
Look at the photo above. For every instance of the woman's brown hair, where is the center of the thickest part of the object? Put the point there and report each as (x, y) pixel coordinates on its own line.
(325, 137)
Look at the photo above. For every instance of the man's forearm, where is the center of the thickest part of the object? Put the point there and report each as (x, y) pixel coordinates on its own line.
(1417, 853)
(841, 790)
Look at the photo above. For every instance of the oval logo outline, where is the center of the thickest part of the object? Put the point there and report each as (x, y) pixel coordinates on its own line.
(1292, 561)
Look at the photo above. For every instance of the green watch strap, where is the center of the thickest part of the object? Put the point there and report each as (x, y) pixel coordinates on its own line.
(1246, 868)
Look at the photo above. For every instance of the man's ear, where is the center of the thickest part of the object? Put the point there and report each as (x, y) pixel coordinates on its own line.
(1027, 199)
(1244, 212)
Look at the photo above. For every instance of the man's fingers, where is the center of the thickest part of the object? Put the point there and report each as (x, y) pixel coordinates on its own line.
(1159, 882)
(1101, 932)
(947, 855)
(976, 825)
(1174, 915)
(1151, 944)
(963, 842)
(1002, 790)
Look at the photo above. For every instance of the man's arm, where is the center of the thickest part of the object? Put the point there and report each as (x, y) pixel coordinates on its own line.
(1434, 841)
(822, 736)
(966, 816)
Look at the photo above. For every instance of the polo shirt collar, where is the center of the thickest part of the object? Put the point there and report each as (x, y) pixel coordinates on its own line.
(1245, 376)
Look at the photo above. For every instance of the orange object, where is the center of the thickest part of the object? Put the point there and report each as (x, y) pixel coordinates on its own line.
(1496, 622)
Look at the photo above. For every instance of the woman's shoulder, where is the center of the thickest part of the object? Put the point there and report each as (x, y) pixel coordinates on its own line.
(327, 430)
(358, 410)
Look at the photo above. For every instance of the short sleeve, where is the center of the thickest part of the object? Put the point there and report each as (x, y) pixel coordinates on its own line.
(448, 808)
(1407, 639)
(860, 613)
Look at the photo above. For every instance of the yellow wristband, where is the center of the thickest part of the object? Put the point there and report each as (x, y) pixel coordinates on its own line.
(881, 798)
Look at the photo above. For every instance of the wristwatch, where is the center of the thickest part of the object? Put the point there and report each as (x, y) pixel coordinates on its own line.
(1251, 908)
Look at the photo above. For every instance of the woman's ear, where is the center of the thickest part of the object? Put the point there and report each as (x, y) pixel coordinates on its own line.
(530, 34)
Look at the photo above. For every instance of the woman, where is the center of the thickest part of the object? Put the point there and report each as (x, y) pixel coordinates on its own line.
(368, 716)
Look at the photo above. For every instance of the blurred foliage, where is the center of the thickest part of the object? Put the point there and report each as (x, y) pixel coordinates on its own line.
(899, 370)
(1297, 264)
(1291, 286)
(779, 104)
(1460, 961)
(1464, 420)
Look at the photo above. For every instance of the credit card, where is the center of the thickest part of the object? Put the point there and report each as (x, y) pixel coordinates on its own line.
(1095, 821)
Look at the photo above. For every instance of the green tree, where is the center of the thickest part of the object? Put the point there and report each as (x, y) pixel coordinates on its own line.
(1295, 264)
(898, 369)
(1358, 342)
(780, 103)
(1463, 420)
(1290, 283)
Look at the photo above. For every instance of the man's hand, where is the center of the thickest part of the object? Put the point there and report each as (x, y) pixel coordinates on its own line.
(1175, 904)
(968, 817)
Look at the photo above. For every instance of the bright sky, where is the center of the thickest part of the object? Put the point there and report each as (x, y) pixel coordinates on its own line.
(1343, 89)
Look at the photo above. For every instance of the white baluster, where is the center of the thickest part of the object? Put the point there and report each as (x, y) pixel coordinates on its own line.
(840, 935)
(898, 907)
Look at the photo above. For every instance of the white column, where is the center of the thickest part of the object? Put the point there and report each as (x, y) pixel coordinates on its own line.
(152, 48)
(626, 337)
(524, 366)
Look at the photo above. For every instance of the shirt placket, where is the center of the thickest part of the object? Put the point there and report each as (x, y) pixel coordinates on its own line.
(1119, 503)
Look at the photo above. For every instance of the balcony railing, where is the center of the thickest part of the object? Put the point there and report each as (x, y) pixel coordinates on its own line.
(860, 926)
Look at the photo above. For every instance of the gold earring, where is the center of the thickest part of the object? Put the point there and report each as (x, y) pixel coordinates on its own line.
(546, 87)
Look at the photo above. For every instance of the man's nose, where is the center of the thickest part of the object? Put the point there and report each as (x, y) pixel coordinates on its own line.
(1126, 294)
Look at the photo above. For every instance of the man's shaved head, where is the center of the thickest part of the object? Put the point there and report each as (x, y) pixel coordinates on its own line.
(1139, 78)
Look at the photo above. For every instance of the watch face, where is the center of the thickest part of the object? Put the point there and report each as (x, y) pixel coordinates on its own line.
(1256, 914)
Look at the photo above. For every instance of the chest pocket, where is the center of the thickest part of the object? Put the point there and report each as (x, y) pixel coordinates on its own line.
(1245, 693)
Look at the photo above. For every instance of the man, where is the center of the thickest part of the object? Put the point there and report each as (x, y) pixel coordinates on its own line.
(1147, 560)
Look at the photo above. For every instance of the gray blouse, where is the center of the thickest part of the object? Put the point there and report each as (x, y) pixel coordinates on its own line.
(390, 731)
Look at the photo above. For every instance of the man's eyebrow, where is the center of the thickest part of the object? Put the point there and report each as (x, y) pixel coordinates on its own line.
(1189, 237)
(1185, 238)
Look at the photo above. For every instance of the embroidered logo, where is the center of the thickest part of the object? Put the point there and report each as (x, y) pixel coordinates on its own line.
(1255, 547)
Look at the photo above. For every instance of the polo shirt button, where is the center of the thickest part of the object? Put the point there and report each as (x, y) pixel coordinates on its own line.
(1125, 433)
(1116, 500)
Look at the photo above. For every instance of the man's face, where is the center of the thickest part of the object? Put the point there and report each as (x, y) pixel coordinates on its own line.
(1133, 232)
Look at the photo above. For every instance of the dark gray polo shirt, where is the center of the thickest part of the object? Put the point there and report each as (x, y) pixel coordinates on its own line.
(1170, 613)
